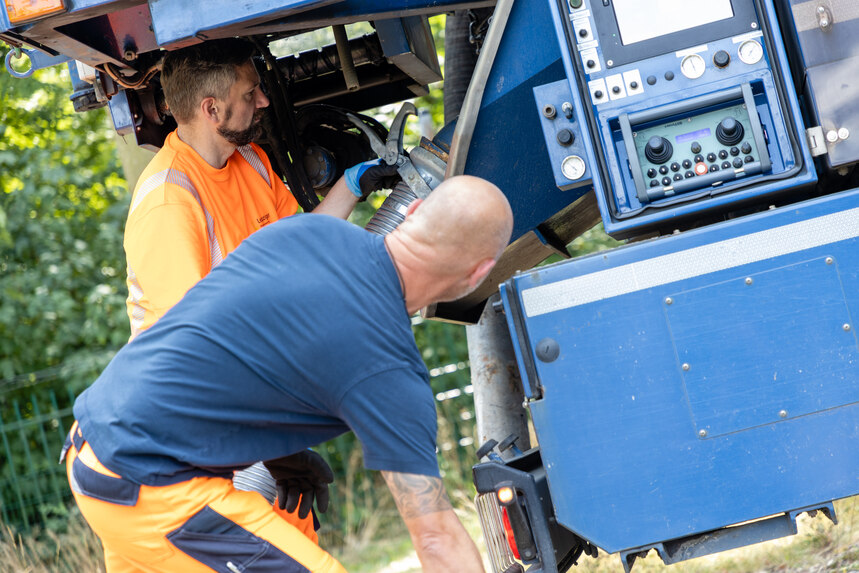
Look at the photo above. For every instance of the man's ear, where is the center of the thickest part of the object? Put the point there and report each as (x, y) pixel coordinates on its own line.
(210, 109)
(412, 206)
(480, 272)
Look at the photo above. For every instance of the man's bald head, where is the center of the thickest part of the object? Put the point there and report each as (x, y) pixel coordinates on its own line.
(466, 215)
(459, 230)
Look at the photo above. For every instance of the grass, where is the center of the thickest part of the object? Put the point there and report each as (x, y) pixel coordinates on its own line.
(75, 551)
(819, 546)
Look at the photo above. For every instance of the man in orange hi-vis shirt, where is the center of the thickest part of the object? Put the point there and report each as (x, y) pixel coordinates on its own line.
(204, 192)
(209, 187)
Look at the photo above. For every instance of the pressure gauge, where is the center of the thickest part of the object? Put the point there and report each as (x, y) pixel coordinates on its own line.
(573, 167)
(693, 66)
(751, 52)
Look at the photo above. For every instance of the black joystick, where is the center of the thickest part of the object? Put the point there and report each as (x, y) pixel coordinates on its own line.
(729, 131)
(658, 150)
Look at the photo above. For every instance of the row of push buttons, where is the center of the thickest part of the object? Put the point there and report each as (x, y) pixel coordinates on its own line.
(746, 148)
(701, 168)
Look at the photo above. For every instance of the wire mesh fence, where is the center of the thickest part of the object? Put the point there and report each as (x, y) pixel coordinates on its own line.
(31, 428)
(36, 414)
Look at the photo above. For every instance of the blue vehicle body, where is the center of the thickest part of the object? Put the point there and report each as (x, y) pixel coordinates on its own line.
(692, 391)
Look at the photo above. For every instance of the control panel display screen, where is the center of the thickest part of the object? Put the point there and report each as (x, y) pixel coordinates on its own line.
(693, 135)
(639, 21)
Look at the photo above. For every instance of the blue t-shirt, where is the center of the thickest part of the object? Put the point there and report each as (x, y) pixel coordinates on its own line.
(300, 335)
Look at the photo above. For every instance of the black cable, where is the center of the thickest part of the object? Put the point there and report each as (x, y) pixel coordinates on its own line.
(289, 159)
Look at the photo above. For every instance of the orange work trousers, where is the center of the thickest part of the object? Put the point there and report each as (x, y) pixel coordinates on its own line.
(200, 525)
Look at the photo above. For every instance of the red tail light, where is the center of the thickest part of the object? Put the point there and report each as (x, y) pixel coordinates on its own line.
(508, 530)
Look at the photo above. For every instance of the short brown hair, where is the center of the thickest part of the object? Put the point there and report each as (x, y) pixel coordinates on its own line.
(204, 70)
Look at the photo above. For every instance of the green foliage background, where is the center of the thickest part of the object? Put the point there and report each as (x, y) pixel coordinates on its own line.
(62, 210)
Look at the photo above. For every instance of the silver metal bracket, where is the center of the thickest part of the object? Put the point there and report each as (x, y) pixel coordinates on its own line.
(816, 141)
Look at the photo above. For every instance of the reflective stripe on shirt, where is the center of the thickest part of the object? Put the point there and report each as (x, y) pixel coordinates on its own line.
(254, 161)
(135, 293)
(181, 180)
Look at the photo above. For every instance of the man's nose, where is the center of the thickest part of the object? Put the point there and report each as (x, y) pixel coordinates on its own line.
(261, 99)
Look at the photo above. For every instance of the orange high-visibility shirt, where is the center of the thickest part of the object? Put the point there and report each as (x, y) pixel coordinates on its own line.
(185, 216)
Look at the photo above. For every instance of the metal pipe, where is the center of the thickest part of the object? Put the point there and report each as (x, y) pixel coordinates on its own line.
(498, 394)
(393, 210)
(325, 60)
(256, 478)
(345, 53)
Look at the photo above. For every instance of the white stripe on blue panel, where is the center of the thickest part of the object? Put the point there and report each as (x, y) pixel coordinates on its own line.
(690, 263)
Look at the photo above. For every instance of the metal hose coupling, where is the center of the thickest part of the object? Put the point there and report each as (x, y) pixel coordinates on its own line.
(393, 210)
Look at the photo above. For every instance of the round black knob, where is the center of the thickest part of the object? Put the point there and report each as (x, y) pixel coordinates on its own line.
(615, 89)
(696, 147)
(721, 59)
(566, 137)
(729, 131)
(507, 443)
(484, 450)
(658, 150)
(583, 33)
(591, 63)
(598, 94)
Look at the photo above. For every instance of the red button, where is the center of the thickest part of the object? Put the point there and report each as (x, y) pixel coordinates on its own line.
(700, 169)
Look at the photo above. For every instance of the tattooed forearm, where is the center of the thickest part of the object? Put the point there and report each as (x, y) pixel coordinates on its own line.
(417, 495)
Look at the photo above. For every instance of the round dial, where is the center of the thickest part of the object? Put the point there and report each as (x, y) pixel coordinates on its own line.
(750, 52)
(573, 167)
(693, 66)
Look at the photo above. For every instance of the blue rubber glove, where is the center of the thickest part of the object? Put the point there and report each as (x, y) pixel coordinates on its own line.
(364, 178)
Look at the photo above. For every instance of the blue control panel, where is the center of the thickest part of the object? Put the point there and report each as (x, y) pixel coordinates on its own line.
(690, 107)
(560, 130)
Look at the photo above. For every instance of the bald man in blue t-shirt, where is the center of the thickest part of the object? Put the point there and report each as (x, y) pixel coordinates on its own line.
(302, 334)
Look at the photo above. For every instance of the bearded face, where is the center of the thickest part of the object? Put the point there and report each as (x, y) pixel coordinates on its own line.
(242, 136)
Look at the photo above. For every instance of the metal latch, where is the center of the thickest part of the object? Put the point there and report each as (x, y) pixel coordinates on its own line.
(816, 141)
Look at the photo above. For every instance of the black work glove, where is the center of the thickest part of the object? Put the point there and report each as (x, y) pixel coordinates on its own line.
(364, 178)
(302, 475)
